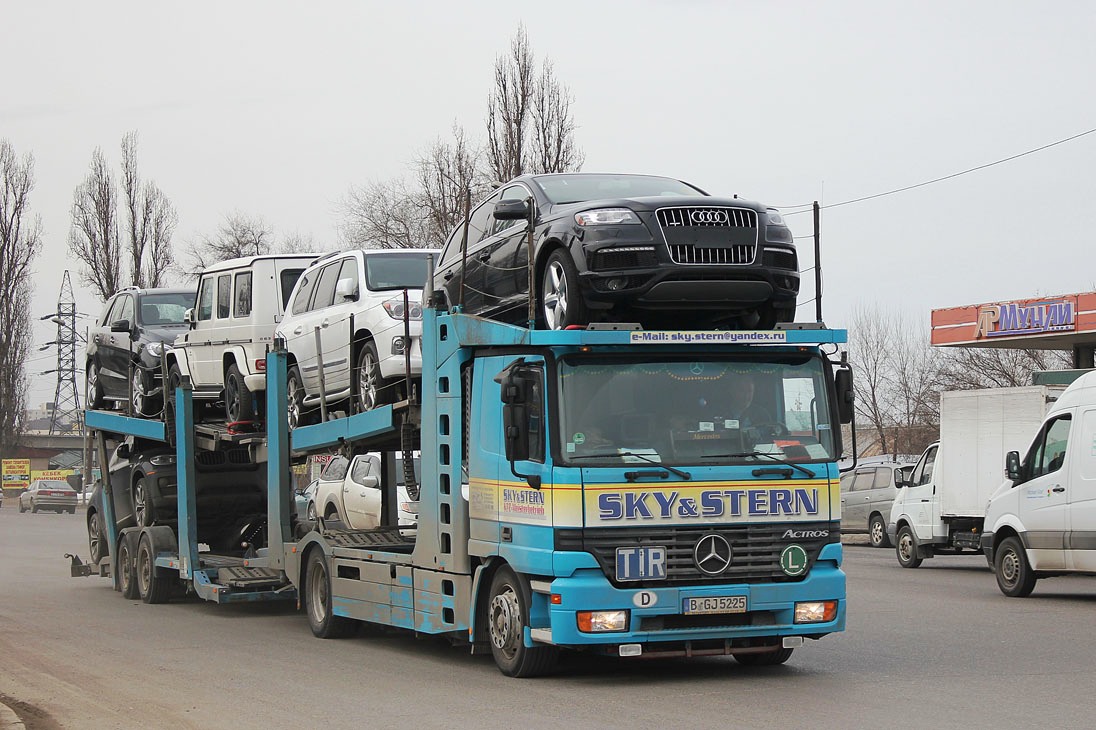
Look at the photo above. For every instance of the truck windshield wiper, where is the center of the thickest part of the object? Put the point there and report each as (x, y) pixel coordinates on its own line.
(615, 454)
(777, 459)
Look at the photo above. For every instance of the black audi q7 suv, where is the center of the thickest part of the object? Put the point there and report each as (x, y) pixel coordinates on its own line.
(629, 248)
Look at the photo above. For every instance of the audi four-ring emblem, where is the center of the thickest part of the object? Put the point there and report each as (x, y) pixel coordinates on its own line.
(712, 554)
(708, 217)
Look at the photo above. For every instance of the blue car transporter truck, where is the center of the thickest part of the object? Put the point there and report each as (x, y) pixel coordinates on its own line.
(636, 493)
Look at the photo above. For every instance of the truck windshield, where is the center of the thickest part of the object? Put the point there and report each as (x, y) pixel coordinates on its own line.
(697, 412)
(396, 271)
(562, 189)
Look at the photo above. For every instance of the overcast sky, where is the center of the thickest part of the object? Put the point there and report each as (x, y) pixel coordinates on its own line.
(276, 109)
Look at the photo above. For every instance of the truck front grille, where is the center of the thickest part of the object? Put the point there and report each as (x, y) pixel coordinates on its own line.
(755, 550)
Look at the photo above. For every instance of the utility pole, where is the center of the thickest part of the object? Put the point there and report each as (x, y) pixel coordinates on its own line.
(66, 399)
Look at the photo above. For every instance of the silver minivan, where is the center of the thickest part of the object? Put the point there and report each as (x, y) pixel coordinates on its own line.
(866, 497)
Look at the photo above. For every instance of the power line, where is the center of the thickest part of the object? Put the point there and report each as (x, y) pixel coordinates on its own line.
(945, 177)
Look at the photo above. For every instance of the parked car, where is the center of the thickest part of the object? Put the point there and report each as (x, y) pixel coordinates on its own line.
(350, 491)
(350, 308)
(867, 494)
(305, 504)
(230, 328)
(124, 348)
(51, 494)
(622, 247)
(230, 494)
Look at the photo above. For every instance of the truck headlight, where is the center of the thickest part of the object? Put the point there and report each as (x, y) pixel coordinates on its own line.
(815, 612)
(592, 622)
(606, 217)
(155, 349)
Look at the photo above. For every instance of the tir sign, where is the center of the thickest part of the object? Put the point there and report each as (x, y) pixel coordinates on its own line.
(641, 563)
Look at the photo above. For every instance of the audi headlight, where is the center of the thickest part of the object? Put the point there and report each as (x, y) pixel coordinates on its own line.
(606, 217)
(155, 349)
(775, 219)
(394, 307)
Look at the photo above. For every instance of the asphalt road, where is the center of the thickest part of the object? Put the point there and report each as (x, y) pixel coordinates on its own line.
(935, 647)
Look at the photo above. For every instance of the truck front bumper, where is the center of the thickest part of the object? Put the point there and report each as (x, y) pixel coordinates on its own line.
(657, 616)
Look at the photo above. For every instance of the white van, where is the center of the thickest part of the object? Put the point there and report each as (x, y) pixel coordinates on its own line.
(1042, 520)
(239, 304)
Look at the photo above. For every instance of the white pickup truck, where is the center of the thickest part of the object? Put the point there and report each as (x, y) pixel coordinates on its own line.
(352, 492)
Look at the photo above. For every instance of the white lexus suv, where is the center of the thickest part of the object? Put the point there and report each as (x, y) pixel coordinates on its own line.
(345, 329)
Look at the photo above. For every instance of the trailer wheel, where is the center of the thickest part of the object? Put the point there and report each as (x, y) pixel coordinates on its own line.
(317, 599)
(906, 549)
(877, 532)
(127, 569)
(97, 547)
(767, 659)
(507, 614)
(153, 588)
(1015, 577)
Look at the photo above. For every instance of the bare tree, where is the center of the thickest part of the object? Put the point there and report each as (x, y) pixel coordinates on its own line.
(384, 214)
(530, 127)
(20, 243)
(243, 235)
(897, 381)
(966, 368)
(94, 236)
(446, 177)
(138, 253)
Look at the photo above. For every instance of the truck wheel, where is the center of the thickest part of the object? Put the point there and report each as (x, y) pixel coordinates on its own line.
(877, 532)
(127, 569)
(561, 303)
(152, 587)
(239, 401)
(506, 619)
(906, 549)
(1015, 577)
(768, 659)
(317, 599)
(143, 511)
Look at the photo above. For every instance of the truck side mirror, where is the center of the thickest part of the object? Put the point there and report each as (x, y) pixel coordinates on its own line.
(1012, 465)
(188, 317)
(517, 382)
(121, 325)
(511, 210)
(346, 290)
(842, 380)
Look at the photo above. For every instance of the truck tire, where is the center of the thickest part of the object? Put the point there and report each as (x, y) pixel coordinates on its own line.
(152, 587)
(767, 659)
(906, 548)
(127, 568)
(1015, 577)
(317, 601)
(507, 613)
(239, 401)
(877, 532)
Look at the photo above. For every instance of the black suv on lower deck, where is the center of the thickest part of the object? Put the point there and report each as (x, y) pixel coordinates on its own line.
(622, 247)
(125, 345)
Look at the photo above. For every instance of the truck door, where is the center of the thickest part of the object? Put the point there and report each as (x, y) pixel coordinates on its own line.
(1044, 501)
(919, 498)
(1082, 496)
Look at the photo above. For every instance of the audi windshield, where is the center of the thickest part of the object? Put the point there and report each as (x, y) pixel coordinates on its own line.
(688, 411)
(577, 188)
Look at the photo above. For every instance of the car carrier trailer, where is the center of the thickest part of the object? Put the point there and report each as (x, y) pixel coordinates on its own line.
(665, 530)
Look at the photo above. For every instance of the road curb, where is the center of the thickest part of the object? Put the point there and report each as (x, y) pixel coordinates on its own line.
(9, 720)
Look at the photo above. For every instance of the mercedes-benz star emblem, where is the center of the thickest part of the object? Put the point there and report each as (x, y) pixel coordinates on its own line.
(709, 217)
(712, 554)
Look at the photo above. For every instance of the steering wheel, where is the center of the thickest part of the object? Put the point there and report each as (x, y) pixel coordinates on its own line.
(771, 429)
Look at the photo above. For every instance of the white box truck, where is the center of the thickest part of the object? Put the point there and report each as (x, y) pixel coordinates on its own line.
(941, 509)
